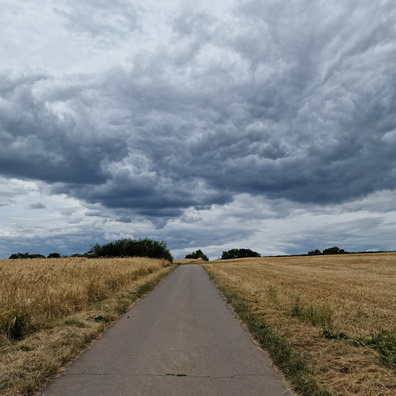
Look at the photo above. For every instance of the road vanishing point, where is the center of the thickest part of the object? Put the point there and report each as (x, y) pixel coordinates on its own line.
(182, 339)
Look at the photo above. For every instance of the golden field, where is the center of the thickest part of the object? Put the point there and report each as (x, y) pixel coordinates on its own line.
(338, 312)
(52, 308)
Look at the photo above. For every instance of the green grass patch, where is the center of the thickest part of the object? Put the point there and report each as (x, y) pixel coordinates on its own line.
(318, 315)
(74, 322)
(385, 344)
(16, 324)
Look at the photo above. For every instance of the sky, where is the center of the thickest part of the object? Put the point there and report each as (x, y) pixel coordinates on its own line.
(208, 124)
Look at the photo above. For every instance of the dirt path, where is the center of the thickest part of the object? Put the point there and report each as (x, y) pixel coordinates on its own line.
(181, 339)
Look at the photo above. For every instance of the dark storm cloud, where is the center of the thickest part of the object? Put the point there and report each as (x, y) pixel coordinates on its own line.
(39, 144)
(316, 121)
(292, 102)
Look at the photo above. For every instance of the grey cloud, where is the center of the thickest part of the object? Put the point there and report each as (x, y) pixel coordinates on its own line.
(37, 205)
(12, 190)
(371, 233)
(38, 143)
(153, 194)
(196, 24)
(100, 19)
(74, 241)
(69, 211)
(7, 197)
(325, 123)
(93, 213)
(294, 103)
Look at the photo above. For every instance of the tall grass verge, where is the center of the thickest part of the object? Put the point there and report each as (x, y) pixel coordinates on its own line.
(51, 310)
(34, 293)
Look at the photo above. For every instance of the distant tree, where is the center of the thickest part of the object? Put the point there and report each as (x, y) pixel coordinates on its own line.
(131, 248)
(19, 255)
(314, 252)
(54, 255)
(239, 253)
(25, 256)
(36, 256)
(334, 250)
(198, 255)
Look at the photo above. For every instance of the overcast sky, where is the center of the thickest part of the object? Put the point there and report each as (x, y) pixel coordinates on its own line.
(210, 124)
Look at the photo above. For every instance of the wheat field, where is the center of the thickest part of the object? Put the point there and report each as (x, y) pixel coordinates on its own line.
(50, 309)
(338, 311)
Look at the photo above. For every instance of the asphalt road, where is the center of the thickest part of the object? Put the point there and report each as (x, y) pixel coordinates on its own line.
(181, 339)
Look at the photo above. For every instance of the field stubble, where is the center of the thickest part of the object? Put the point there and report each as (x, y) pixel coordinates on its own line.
(52, 308)
(338, 312)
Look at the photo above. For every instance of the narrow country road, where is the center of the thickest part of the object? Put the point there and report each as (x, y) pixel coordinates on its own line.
(180, 340)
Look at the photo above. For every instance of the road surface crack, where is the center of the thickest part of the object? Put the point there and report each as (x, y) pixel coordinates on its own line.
(168, 375)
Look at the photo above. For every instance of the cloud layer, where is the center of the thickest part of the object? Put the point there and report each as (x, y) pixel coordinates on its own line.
(149, 112)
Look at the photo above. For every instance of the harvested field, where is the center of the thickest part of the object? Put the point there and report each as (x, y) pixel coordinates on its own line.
(52, 308)
(338, 312)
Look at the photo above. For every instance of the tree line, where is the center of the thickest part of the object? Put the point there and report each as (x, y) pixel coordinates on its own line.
(198, 254)
(154, 249)
(332, 250)
(239, 253)
(120, 248)
(132, 248)
(28, 255)
(229, 254)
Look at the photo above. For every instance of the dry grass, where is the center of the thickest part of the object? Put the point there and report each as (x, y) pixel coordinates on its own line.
(339, 311)
(52, 308)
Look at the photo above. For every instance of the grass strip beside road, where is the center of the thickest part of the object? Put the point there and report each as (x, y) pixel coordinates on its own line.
(286, 358)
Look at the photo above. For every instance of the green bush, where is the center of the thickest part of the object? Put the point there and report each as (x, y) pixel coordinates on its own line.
(332, 250)
(315, 252)
(132, 248)
(25, 256)
(54, 255)
(239, 253)
(198, 255)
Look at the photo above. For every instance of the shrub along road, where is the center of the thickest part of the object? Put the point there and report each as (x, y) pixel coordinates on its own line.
(181, 339)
